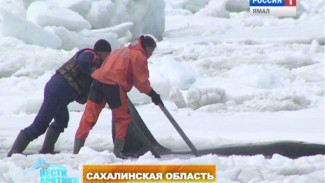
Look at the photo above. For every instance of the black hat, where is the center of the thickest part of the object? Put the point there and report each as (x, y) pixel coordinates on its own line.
(102, 45)
(147, 41)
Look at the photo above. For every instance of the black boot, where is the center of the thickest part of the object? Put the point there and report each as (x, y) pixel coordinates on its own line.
(20, 143)
(118, 148)
(49, 142)
(78, 144)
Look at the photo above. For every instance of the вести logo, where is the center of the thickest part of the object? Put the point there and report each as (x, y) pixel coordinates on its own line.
(51, 173)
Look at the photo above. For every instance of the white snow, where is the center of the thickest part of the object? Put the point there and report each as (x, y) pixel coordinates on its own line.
(86, 38)
(46, 14)
(15, 26)
(147, 15)
(73, 24)
(190, 5)
(226, 77)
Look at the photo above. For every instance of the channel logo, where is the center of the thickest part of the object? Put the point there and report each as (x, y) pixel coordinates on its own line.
(273, 7)
(51, 173)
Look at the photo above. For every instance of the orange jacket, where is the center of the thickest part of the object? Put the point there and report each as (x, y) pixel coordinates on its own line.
(126, 67)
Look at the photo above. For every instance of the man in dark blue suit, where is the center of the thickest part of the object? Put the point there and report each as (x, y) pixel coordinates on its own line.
(71, 82)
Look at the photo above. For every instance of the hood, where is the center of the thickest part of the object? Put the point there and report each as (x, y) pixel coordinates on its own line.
(137, 45)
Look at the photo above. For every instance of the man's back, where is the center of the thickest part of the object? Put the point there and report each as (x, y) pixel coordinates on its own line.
(126, 67)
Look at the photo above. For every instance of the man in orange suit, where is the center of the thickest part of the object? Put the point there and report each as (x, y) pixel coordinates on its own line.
(125, 68)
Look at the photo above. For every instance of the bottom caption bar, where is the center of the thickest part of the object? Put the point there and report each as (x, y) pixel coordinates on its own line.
(149, 173)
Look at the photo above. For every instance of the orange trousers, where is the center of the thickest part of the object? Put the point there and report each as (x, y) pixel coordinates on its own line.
(99, 95)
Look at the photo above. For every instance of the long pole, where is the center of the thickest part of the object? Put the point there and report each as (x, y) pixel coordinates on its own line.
(179, 130)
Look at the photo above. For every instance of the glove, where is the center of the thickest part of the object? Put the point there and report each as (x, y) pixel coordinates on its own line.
(155, 97)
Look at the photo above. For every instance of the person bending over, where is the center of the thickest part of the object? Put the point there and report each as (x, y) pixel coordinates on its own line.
(123, 69)
(71, 82)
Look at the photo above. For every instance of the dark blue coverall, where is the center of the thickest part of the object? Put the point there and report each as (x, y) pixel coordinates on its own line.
(57, 95)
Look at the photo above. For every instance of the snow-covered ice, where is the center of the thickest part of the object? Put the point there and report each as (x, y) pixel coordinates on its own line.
(227, 77)
(15, 26)
(46, 14)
